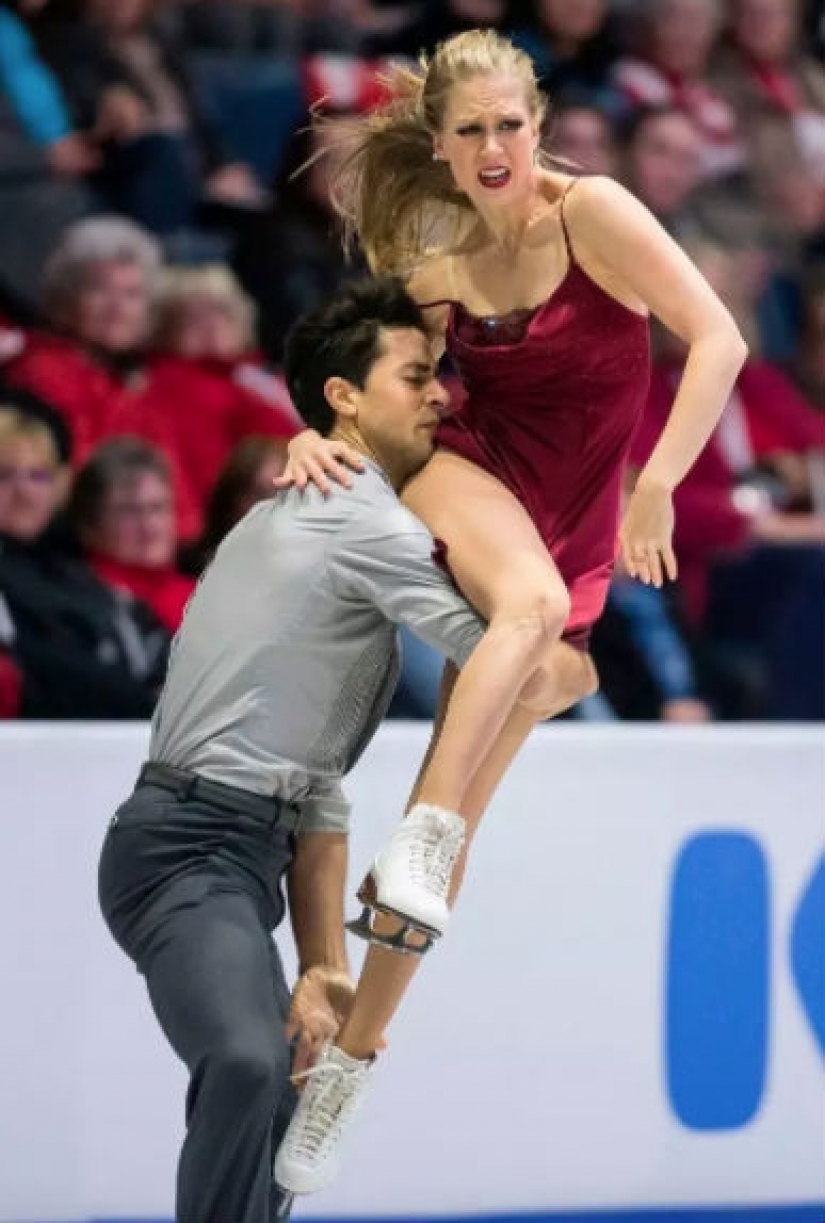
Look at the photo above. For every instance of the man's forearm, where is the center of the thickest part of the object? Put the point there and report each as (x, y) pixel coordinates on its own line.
(315, 886)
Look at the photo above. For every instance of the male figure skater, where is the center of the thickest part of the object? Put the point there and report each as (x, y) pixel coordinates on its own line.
(280, 674)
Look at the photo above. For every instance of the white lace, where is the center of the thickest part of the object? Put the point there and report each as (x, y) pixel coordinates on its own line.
(324, 1111)
(433, 849)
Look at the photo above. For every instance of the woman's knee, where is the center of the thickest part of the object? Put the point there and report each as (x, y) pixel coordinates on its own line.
(539, 614)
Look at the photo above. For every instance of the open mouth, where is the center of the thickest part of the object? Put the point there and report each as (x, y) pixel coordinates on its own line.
(494, 178)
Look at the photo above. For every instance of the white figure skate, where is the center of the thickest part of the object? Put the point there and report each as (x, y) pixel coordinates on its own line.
(309, 1157)
(410, 880)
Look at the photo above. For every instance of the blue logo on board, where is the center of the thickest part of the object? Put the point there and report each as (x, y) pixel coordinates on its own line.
(718, 985)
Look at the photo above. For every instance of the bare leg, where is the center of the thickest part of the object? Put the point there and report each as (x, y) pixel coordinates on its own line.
(567, 676)
(505, 571)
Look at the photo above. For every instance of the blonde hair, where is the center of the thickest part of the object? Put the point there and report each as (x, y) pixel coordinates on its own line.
(16, 425)
(179, 286)
(400, 204)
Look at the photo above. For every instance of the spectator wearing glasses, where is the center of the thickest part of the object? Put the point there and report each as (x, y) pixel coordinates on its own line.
(76, 649)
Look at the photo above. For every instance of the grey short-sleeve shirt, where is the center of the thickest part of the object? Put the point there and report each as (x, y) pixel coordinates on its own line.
(287, 657)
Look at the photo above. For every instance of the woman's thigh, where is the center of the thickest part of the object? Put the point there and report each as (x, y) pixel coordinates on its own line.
(494, 551)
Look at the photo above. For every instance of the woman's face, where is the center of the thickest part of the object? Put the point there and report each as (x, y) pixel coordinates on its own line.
(207, 327)
(489, 138)
(767, 29)
(137, 523)
(665, 162)
(113, 307)
(30, 487)
(582, 134)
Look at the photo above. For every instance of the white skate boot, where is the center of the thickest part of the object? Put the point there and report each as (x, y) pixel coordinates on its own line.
(309, 1157)
(410, 879)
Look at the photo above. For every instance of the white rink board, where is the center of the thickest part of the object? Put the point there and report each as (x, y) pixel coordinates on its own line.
(526, 1071)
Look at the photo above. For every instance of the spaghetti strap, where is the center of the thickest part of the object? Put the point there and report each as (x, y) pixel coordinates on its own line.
(568, 244)
(439, 301)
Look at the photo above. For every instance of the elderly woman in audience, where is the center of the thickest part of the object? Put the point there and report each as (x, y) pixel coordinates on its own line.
(102, 284)
(70, 648)
(204, 316)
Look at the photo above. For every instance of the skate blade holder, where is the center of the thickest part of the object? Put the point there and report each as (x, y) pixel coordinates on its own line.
(399, 940)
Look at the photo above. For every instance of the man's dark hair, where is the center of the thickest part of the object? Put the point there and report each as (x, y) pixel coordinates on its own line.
(341, 339)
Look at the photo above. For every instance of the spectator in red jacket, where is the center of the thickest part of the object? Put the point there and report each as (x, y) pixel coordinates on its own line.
(122, 507)
(204, 316)
(101, 286)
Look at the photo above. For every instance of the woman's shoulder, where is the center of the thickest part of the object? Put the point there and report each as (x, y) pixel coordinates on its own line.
(591, 198)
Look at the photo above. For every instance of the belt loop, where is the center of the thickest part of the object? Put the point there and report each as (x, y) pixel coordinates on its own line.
(187, 787)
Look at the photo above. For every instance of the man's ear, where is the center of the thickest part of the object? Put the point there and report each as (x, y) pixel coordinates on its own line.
(342, 397)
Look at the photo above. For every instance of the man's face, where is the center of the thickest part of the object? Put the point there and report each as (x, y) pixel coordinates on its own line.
(402, 403)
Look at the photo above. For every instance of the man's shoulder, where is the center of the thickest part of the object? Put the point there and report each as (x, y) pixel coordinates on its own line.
(370, 500)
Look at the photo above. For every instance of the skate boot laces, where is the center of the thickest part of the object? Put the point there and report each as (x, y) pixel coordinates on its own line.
(434, 843)
(333, 1088)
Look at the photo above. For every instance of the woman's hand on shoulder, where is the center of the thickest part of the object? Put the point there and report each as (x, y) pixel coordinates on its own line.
(318, 460)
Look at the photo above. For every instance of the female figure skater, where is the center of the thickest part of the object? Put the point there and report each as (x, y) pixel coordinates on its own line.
(539, 285)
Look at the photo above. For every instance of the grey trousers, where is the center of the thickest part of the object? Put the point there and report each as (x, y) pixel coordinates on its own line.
(191, 890)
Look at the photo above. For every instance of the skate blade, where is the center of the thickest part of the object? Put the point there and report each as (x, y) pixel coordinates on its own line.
(362, 926)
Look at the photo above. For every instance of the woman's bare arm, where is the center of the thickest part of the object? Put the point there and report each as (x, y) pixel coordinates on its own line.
(631, 252)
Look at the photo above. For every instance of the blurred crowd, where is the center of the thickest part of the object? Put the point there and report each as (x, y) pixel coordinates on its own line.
(156, 243)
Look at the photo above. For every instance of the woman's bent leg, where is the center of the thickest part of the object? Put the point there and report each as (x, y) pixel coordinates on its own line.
(501, 565)
(567, 675)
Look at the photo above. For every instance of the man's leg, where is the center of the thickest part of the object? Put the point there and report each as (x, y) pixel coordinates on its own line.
(218, 990)
(188, 894)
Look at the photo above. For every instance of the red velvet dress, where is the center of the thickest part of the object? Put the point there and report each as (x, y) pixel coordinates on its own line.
(553, 397)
